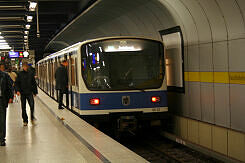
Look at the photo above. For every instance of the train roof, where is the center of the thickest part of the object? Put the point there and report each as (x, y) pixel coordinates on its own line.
(77, 45)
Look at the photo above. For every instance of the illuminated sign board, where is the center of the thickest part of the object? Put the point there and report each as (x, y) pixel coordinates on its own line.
(13, 54)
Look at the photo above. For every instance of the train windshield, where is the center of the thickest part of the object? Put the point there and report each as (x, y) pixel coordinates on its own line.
(123, 64)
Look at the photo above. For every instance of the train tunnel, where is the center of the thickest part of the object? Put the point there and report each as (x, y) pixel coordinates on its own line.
(208, 107)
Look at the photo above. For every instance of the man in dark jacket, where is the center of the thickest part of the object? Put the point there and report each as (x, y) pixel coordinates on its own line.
(61, 77)
(6, 96)
(26, 87)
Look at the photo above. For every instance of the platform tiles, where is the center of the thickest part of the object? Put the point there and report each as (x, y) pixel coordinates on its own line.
(102, 147)
(47, 142)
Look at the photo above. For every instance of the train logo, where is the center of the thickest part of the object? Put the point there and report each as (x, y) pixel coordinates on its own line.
(126, 100)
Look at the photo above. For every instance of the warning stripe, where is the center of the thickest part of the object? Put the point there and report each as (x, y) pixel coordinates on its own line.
(216, 77)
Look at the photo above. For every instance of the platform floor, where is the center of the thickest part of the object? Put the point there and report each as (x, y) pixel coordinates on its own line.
(59, 137)
(48, 141)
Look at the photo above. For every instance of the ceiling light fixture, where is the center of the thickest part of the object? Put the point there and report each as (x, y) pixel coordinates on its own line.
(3, 43)
(5, 47)
(28, 26)
(26, 32)
(25, 37)
(32, 6)
(29, 18)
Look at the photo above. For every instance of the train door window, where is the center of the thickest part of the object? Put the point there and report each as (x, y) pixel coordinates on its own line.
(76, 82)
(49, 71)
(55, 65)
(72, 71)
(174, 58)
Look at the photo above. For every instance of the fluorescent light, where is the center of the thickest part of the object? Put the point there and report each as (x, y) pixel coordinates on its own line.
(2, 41)
(26, 32)
(25, 40)
(32, 6)
(25, 37)
(5, 47)
(28, 26)
(1, 37)
(29, 18)
(2, 48)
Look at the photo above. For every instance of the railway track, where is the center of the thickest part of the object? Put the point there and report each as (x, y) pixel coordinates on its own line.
(157, 149)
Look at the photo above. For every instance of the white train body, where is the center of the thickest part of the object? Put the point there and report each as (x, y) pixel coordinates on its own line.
(110, 75)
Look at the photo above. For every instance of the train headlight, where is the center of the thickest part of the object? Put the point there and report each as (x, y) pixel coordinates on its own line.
(94, 101)
(155, 99)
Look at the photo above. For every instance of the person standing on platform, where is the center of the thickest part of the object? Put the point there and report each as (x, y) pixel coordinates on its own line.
(6, 96)
(61, 77)
(26, 87)
(2, 67)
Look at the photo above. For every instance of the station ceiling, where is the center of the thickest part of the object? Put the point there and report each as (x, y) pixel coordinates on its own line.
(53, 16)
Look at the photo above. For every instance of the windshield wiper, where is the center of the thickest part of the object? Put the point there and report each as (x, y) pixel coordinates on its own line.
(131, 85)
(134, 87)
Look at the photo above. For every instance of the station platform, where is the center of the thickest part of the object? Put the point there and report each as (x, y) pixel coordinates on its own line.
(58, 136)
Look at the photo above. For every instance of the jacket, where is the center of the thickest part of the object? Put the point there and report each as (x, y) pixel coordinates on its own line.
(61, 77)
(7, 91)
(25, 83)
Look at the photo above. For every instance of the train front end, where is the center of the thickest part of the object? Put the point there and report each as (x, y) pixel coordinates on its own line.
(123, 77)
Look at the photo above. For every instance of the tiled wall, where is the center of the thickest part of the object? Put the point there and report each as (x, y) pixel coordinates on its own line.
(221, 140)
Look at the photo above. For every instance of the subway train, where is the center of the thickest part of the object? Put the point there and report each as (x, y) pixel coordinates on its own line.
(112, 78)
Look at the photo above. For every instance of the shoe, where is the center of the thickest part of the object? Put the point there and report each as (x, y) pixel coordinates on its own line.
(33, 121)
(3, 143)
(60, 108)
(25, 123)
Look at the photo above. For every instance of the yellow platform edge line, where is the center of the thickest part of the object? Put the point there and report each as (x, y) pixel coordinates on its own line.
(216, 77)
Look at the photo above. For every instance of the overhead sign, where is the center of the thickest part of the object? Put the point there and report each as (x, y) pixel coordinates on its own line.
(13, 54)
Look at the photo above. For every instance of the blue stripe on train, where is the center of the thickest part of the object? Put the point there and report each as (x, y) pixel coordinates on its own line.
(114, 100)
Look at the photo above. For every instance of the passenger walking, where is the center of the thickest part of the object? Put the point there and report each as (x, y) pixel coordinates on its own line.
(6, 96)
(61, 77)
(26, 87)
(13, 76)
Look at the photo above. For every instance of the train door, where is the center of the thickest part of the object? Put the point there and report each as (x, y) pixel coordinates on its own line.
(75, 88)
(55, 67)
(69, 104)
(73, 82)
(49, 77)
(46, 77)
(52, 78)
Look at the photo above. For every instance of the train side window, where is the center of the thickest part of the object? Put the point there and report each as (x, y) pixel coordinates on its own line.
(174, 58)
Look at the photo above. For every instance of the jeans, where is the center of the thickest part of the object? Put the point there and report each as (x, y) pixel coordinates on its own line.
(2, 123)
(30, 100)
